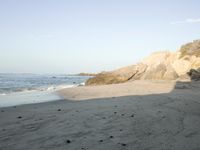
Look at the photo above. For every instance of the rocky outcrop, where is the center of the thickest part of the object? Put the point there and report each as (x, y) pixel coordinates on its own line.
(117, 76)
(86, 74)
(194, 74)
(158, 66)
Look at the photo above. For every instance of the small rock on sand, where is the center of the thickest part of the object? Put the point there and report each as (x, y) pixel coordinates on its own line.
(68, 141)
(122, 144)
(111, 136)
(100, 141)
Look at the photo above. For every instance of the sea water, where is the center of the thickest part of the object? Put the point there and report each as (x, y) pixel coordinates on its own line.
(17, 89)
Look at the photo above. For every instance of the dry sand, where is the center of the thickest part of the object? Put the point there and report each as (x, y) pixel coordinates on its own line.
(142, 115)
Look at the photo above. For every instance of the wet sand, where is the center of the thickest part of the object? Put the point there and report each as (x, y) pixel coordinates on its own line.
(165, 116)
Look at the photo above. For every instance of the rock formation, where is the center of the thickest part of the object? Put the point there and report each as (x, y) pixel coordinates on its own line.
(86, 74)
(194, 74)
(158, 66)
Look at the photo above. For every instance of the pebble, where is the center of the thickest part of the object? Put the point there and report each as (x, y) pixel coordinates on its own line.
(68, 141)
(132, 115)
(101, 141)
(111, 136)
(122, 144)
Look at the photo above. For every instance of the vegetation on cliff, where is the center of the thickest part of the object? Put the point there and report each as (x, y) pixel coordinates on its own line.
(191, 49)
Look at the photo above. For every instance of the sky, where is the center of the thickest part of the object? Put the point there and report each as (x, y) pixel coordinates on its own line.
(72, 36)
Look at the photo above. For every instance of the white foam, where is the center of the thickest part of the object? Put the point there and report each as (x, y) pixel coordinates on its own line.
(3, 94)
(31, 96)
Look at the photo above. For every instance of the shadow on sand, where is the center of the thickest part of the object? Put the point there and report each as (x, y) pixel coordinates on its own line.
(169, 121)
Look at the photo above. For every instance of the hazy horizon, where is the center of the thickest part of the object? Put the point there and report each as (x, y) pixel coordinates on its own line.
(68, 37)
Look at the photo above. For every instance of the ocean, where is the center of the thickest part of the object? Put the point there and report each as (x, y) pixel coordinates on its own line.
(17, 89)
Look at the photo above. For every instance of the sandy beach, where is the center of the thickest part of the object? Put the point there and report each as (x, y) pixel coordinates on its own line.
(144, 115)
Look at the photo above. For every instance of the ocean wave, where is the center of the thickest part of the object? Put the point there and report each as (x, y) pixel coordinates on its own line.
(15, 83)
(3, 94)
(51, 88)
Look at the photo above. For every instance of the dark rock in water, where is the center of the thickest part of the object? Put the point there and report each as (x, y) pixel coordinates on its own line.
(100, 141)
(74, 82)
(132, 115)
(111, 136)
(59, 110)
(87, 74)
(53, 77)
(19, 117)
(2, 110)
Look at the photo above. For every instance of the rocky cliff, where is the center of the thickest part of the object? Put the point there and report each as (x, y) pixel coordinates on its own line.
(184, 63)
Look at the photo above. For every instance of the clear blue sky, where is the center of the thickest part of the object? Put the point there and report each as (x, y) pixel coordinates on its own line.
(71, 36)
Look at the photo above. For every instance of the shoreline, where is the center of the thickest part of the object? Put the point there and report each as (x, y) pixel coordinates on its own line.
(28, 97)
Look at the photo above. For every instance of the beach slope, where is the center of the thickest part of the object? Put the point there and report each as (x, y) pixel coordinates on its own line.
(154, 115)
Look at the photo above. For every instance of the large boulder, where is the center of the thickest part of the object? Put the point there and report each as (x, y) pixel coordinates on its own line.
(194, 74)
(118, 76)
(181, 66)
(170, 73)
(121, 75)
